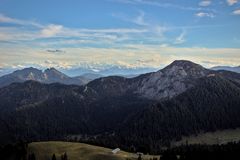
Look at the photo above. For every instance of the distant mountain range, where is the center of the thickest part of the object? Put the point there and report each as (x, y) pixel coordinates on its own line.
(47, 76)
(227, 68)
(104, 71)
(143, 113)
(79, 76)
(108, 71)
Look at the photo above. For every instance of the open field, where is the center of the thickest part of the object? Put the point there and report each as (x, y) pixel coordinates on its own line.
(78, 151)
(218, 137)
(81, 151)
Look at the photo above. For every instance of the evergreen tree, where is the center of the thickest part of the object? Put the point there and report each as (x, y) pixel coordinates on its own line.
(64, 156)
(32, 157)
(139, 157)
(54, 157)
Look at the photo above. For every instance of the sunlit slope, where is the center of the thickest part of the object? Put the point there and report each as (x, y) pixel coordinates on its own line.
(218, 137)
(77, 151)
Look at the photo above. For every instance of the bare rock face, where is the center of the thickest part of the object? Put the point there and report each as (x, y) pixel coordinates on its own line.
(53, 75)
(163, 84)
(171, 81)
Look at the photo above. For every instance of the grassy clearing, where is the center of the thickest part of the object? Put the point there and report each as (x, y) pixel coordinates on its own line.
(78, 151)
(218, 137)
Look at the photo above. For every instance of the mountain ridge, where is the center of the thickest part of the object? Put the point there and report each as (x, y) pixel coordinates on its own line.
(108, 109)
(50, 75)
(227, 68)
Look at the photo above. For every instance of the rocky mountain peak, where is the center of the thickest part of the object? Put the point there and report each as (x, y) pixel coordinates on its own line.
(54, 73)
(171, 80)
(28, 74)
(184, 63)
(185, 68)
(52, 70)
(28, 70)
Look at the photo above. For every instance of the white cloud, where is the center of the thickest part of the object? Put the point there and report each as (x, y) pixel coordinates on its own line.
(55, 64)
(205, 14)
(160, 4)
(15, 34)
(111, 30)
(128, 55)
(205, 3)
(32, 30)
(6, 19)
(159, 30)
(236, 12)
(232, 2)
(75, 36)
(164, 45)
(139, 20)
(181, 38)
(152, 29)
(113, 53)
(154, 33)
(51, 30)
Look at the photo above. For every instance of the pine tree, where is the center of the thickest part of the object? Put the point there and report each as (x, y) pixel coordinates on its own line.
(32, 157)
(139, 157)
(54, 157)
(64, 156)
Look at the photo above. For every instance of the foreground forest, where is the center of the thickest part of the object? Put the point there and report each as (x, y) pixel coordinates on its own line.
(141, 114)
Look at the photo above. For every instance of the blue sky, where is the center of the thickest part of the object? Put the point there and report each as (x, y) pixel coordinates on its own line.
(130, 33)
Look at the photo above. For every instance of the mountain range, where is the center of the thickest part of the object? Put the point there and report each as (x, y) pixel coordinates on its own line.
(52, 75)
(48, 76)
(143, 113)
(78, 76)
(108, 70)
(227, 68)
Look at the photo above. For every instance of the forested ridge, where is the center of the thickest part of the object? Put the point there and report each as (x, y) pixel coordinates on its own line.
(112, 112)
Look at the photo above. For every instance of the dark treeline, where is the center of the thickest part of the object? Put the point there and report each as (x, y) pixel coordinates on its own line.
(128, 122)
(17, 151)
(156, 126)
(230, 151)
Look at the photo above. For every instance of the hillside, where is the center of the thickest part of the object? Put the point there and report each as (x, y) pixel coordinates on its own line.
(78, 151)
(210, 138)
(199, 109)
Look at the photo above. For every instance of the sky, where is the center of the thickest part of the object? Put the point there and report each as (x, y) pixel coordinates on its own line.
(130, 33)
